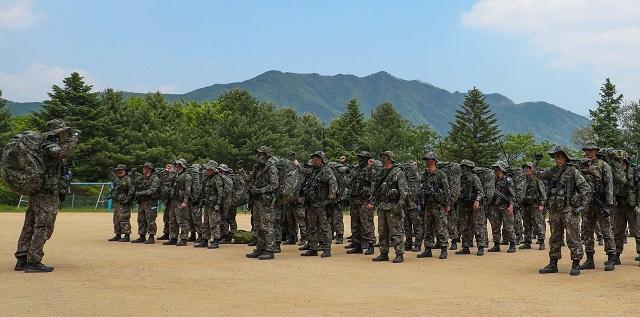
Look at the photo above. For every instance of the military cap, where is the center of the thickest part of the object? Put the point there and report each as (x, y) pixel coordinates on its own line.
(55, 126)
(500, 165)
(321, 155)
(590, 145)
(389, 154)
(527, 164)
(430, 156)
(224, 167)
(560, 149)
(182, 162)
(148, 165)
(468, 163)
(365, 154)
(264, 149)
(121, 167)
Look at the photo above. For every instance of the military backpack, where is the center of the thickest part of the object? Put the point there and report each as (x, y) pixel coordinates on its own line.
(22, 166)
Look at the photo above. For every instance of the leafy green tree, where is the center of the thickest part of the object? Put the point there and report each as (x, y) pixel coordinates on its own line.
(387, 130)
(347, 131)
(5, 121)
(521, 148)
(475, 133)
(583, 135)
(604, 119)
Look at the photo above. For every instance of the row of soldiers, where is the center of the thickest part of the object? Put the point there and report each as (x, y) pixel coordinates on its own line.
(413, 210)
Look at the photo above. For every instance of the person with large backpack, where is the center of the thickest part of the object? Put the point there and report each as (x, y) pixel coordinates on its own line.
(470, 211)
(35, 165)
(212, 202)
(436, 201)
(227, 215)
(195, 212)
(167, 176)
(413, 220)
(147, 195)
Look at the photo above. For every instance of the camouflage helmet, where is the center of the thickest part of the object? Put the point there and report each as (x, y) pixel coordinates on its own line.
(389, 154)
(264, 149)
(120, 167)
(468, 163)
(321, 155)
(148, 165)
(500, 165)
(527, 164)
(560, 149)
(365, 154)
(182, 162)
(431, 156)
(196, 166)
(590, 145)
(224, 167)
(55, 126)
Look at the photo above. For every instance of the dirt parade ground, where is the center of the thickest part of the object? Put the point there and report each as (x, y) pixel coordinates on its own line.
(94, 277)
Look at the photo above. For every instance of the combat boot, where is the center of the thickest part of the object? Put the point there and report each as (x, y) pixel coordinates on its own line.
(552, 267)
(141, 239)
(356, 250)
(637, 258)
(417, 247)
(618, 259)
(309, 253)
(252, 243)
(150, 240)
(181, 243)
(164, 236)
(381, 257)
(192, 237)
(588, 264)
(21, 263)
(525, 246)
(37, 268)
(115, 238)
(443, 253)
(370, 250)
(610, 265)
(454, 244)
(496, 248)
(512, 247)
(399, 258)
(213, 245)
(276, 248)
(266, 256)
(541, 243)
(170, 242)
(575, 268)
(201, 244)
(425, 254)
(325, 254)
(253, 255)
(464, 250)
(125, 238)
(339, 239)
(480, 251)
(351, 245)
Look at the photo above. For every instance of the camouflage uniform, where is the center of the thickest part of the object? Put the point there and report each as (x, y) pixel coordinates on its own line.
(503, 197)
(147, 195)
(320, 190)
(181, 193)
(534, 194)
(360, 190)
(625, 196)
(212, 191)
(435, 196)
(294, 214)
(227, 203)
(195, 212)
(166, 180)
(40, 217)
(122, 195)
(390, 192)
(263, 186)
(473, 221)
(413, 222)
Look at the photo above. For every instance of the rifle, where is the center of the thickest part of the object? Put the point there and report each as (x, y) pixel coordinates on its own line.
(501, 195)
(603, 208)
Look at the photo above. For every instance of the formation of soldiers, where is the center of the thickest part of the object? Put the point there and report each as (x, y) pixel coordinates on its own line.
(448, 203)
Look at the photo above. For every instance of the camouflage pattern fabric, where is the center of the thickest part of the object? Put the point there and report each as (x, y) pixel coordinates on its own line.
(435, 196)
(263, 186)
(122, 194)
(599, 178)
(453, 172)
(39, 222)
(390, 191)
(472, 222)
(321, 189)
(533, 194)
(499, 215)
(147, 194)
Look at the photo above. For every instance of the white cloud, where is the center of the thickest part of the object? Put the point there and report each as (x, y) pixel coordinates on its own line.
(603, 35)
(17, 14)
(34, 81)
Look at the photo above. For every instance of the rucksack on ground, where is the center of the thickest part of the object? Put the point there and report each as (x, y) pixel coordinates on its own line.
(22, 165)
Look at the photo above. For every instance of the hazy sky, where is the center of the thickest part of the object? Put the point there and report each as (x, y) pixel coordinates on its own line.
(551, 50)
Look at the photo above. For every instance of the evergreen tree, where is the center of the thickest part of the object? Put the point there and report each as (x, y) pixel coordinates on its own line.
(347, 131)
(475, 133)
(605, 118)
(387, 130)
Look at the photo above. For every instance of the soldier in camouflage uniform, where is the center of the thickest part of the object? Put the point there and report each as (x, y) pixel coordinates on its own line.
(625, 195)
(40, 217)
(227, 196)
(179, 214)
(413, 222)
(147, 195)
(533, 199)
(390, 193)
(295, 214)
(436, 201)
(195, 212)
(166, 179)
(263, 185)
(341, 173)
(122, 195)
(212, 201)
(362, 227)
(470, 211)
(599, 177)
(568, 193)
(320, 191)
(502, 208)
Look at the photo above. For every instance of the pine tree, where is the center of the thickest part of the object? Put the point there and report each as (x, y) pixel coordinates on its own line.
(347, 131)
(605, 118)
(388, 130)
(475, 133)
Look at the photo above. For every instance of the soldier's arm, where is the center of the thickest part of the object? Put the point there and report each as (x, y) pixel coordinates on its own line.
(273, 179)
(188, 182)
(403, 188)
(131, 190)
(583, 187)
(511, 194)
(447, 192)
(333, 185)
(478, 186)
(219, 189)
(60, 151)
(607, 177)
(542, 190)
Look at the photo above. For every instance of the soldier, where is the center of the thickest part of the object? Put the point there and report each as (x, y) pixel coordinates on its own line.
(320, 191)
(625, 196)
(362, 227)
(503, 204)
(122, 196)
(599, 177)
(195, 213)
(147, 196)
(533, 197)
(472, 216)
(341, 173)
(436, 202)
(413, 222)
(390, 193)
(264, 182)
(40, 217)
(568, 194)
(179, 213)
(212, 191)
(226, 212)
(166, 179)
